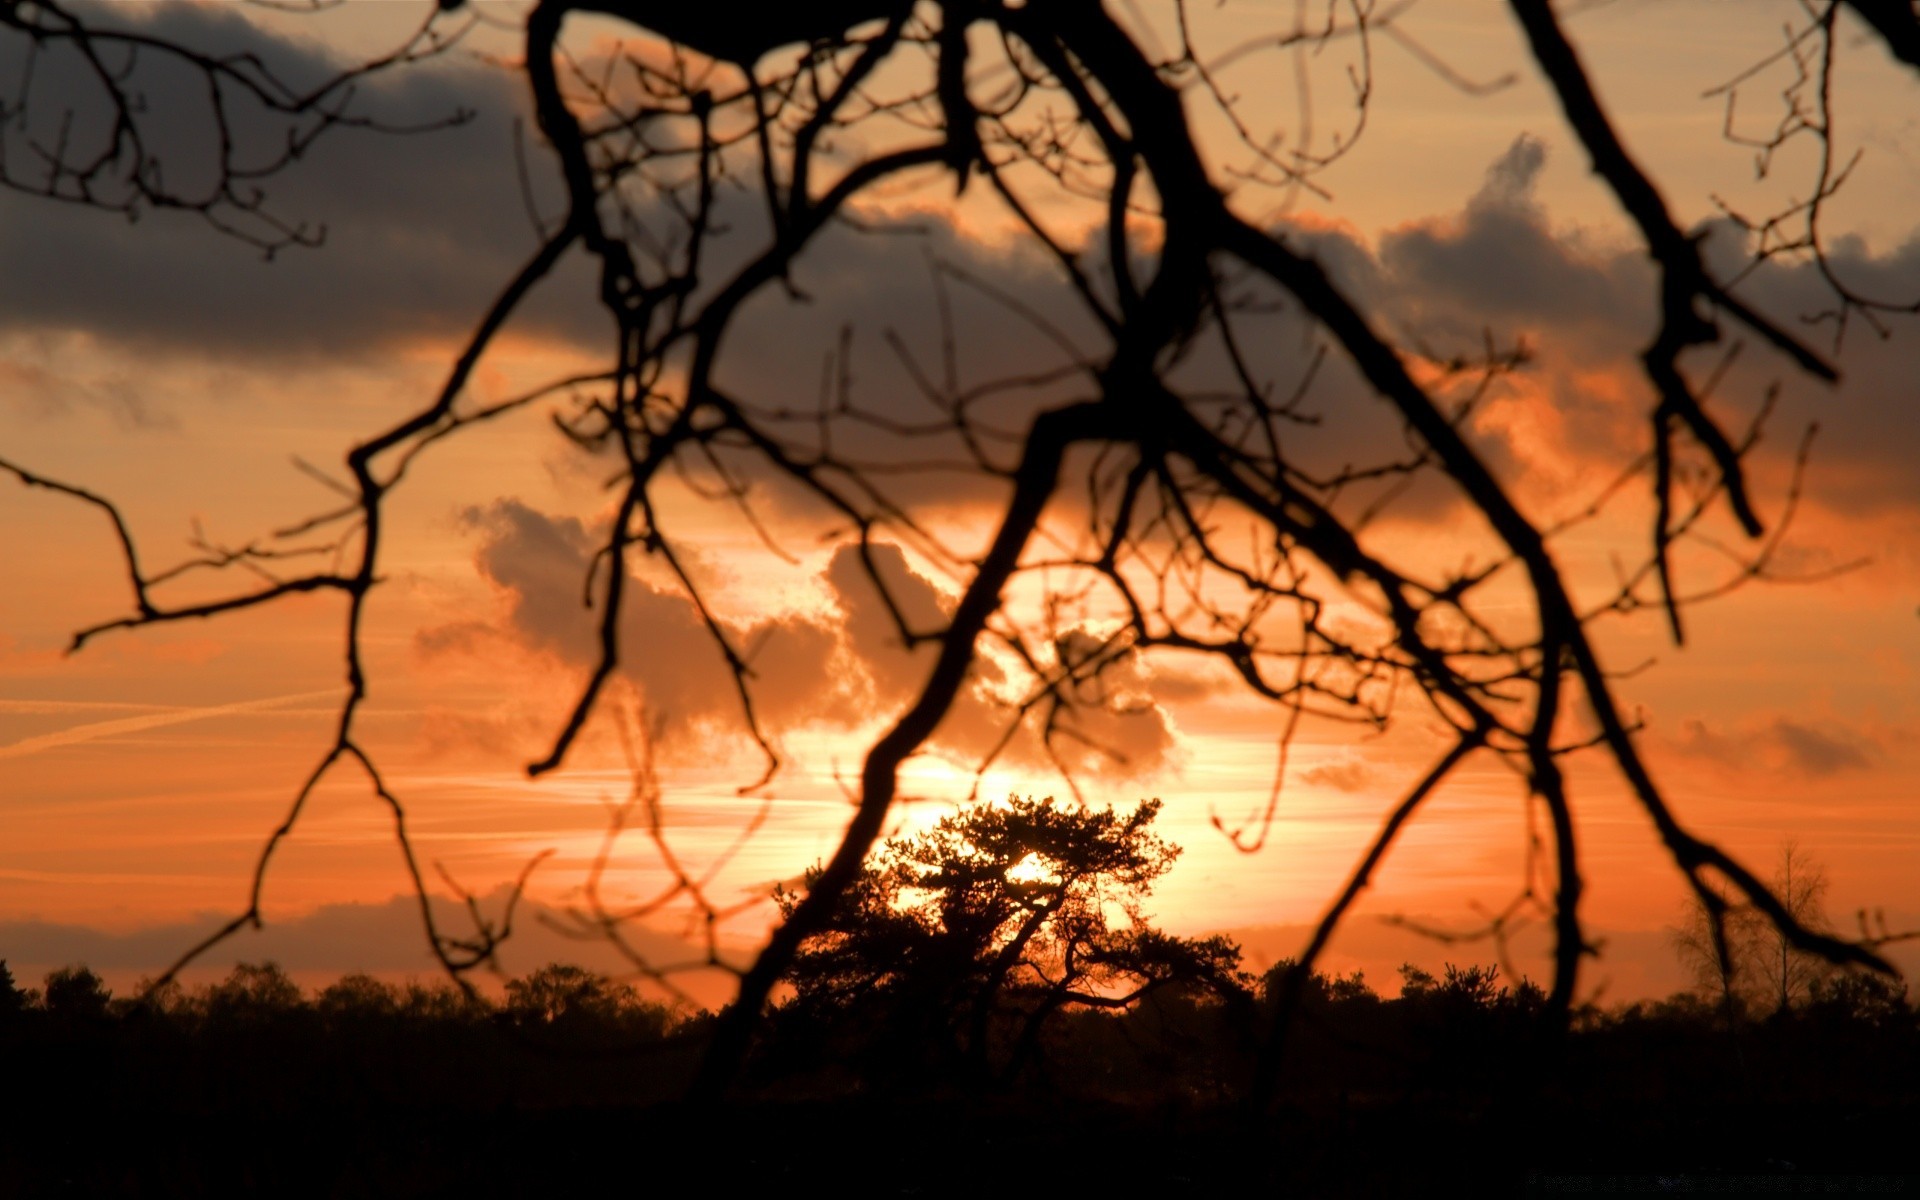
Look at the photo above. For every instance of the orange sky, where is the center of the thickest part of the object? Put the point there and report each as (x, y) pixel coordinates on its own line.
(171, 369)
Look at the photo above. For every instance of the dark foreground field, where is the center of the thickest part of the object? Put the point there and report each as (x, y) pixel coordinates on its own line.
(991, 1146)
(252, 1088)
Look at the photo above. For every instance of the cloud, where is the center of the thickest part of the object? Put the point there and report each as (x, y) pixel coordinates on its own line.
(876, 595)
(1588, 308)
(1583, 304)
(842, 666)
(1806, 750)
(421, 229)
(506, 735)
(1501, 263)
(424, 229)
(1342, 775)
(120, 726)
(1862, 460)
(539, 564)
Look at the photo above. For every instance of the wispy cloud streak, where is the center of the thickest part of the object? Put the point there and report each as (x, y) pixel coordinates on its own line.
(95, 730)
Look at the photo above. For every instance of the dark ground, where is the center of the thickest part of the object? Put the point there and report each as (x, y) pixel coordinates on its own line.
(256, 1090)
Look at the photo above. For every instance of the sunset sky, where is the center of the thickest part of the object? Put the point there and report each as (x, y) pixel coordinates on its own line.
(173, 370)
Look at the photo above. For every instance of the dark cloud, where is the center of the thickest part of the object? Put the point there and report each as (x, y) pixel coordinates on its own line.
(868, 594)
(877, 595)
(878, 317)
(539, 564)
(1820, 753)
(1192, 678)
(1587, 309)
(1501, 264)
(422, 229)
(1806, 750)
(843, 668)
(1869, 425)
(1441, 287)
(867, 313)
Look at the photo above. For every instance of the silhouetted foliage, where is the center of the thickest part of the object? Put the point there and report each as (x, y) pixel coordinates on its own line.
(12, 999)
(253, 992)
(565, 1005)
(369, 1088)
(75, 993)
(358, 997)
(1854, 997)
(960, 944)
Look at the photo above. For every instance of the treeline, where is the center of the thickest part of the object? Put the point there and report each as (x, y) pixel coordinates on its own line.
(253, 1086)
(1460, 1035)
(567, 1036)
(561, 1035)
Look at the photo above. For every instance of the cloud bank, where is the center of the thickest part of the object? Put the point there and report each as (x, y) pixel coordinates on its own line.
(843, 666)
(424, 229)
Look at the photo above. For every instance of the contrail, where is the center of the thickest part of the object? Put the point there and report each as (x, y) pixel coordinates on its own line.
(100, 729)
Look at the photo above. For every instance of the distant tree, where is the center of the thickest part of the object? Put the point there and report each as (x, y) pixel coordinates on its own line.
(568, 1006)
(1352, 989)
(12, 998)
(1471, 986)
(166, 997)
(1415, 982)
(560, 991)
(254, 991)
(967, 938)
(1858, 997)
(76, 992)
(1739, 957)
(441, 1002)
(1463, 994)
(1317, 987)
(358, 995)
(1714, 942)
(1800, 882)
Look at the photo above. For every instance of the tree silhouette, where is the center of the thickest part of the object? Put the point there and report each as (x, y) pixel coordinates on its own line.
(13, 1000)
(1158, 479)
(559, 992)
(253, 992)
(966, 939)
(75, 994)
(1743, 960)
(1801, 884)
(358, 997)
(1715, 943)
